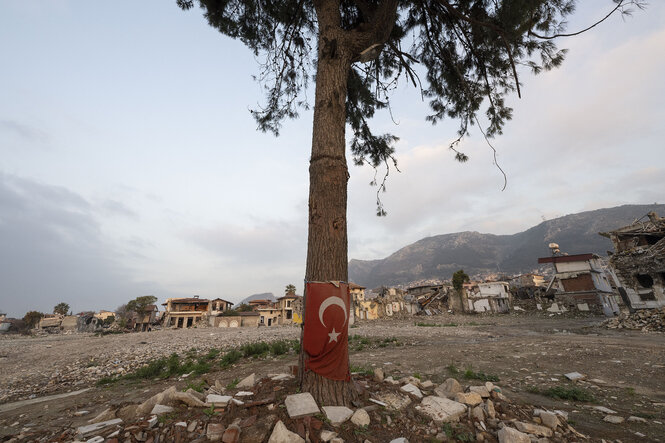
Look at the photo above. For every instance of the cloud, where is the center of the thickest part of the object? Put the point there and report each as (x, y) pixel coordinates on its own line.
(24, 131)
(53, 250)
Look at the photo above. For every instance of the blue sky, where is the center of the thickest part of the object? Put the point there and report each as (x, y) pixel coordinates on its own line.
(130, 165)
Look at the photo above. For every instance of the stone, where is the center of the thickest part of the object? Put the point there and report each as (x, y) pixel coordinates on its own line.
(478, 413)
(247, 382)
(200, 395)
(489, 408)
(394, 400)
(530, 428)
(380, 403)
(360, 418)
(97, 439)
(604, 410)
(87, 430)
(337, 414)
(326, 435)
(399, 440)
(218, 400)
(574, 376)
(448, 388)
(337, 440)
(614, 419)
(412, 389)
(510, 435)
(280, 434)
(81, 413)
(300, 405)
(634, 419)
(192, 426)
(232, 434)
(468, 398)
(391, 380)
(161, 409)
(480, 390)
(427, 384)
(379, 375)
(280, 377)
(244, 394)
(549, 419)
(152, 422)
(215, 431)
(441, 410)
(489, 386)
(258, 431)
(583, 307)
(105, 415)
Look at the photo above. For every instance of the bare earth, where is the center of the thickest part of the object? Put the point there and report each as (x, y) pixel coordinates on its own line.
(524, 351)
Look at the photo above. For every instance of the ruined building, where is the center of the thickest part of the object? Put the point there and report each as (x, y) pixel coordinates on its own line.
(638, 263)
(187, 312)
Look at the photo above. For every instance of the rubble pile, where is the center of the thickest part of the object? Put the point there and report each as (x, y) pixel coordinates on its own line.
(642, 320)
(270, 409)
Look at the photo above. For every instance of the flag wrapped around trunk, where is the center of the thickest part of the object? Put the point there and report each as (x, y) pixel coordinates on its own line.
(325, 338)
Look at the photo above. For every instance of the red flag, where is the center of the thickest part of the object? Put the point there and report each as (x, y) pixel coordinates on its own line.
(326, 330)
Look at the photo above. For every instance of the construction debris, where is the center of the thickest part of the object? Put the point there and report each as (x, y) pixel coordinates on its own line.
(642, 320)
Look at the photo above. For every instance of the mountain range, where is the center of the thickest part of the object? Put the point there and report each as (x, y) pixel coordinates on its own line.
(439, 256)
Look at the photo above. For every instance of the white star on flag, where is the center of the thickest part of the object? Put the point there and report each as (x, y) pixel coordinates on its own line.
(333, 336)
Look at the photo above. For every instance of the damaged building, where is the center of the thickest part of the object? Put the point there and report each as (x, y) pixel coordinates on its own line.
(187, 312)
(638, 262)
(491, 297)
(581, 283)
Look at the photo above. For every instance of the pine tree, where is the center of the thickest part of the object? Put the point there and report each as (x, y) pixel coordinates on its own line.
(356, 51)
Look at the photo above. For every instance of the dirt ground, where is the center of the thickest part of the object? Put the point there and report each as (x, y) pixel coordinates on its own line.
(624, 369)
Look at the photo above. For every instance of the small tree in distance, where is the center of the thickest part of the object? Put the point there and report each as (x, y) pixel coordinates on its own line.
(139, 304)
(290, 290)
(459, 278)
(31, 318)
(61, 308)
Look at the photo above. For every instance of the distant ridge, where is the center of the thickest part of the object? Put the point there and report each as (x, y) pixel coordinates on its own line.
(439, 256)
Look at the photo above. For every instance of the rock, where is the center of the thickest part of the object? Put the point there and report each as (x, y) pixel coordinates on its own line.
(259, 430)
(480, 390)
(244, 394)
(188, 399)
(478, 413)
(105, 415)
(448, 388)
(326, 435)
(192, 426)
(232, 434)
(218, 400)
(498, 395)
(530, 428)
(380, 403)
(468, 398)
(215, 431)
(489, 409)
(614, 419)
(549, 419)
(337, 414)
(510, 435)
(394, 400)
(604, 410)
(441, 410)
(574, 376)
(81, 413)
(199, 395)
(161, 409)
(489, 386)
(247, 382)
(88, 430)
(634, 419)
(378, 375)
(412, 389)
(282, 435)
(360, 418)
(427, 384)
(337, 440)
(399, 440)
(280, 377)
(391, 380)
(300, 405)
(97, 439)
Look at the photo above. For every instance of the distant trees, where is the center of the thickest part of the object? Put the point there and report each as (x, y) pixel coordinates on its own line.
(459, 278)
(140, 303)
(290, 290)
(61, 308)
(31, 318)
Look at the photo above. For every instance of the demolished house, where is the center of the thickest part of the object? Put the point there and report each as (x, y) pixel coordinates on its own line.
(581, 283)
(145, 320)
(638, 263)
(185, 312)
(428, 299)
(491, 297)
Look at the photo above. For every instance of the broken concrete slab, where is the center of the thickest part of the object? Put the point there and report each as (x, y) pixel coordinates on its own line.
(280, 434)
(300, 405)
(574, 376)
(468, 398)
(221, 400)
(448, 388)
(161, 409)
(326, 435)
(393, 400)
(614, 419)
(360, 418)
(511, 435)
(88, 430)
(480, 390)
(441, 410)
(337, 414)
(412, 389)
(531, 428)
(247, 382)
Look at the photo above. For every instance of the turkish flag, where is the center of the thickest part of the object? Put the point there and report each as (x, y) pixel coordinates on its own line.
(325, 337)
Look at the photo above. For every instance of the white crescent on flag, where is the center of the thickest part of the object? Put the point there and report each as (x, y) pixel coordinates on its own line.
(329, 302)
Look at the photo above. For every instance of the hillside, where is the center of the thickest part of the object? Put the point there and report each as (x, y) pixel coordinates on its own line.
(439, 256)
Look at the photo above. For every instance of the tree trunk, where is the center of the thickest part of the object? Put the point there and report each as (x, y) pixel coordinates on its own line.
(328, 174)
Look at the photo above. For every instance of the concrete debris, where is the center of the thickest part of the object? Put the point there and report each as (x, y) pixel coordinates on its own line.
(441, 410)
(247, 382)
(360, 418)
(468, 398)
(642, 320)
(614, 419)
(337, 414)
(161, 409)
(300, 405)
(326, 435)
(510, 435)
(574, 376)
(448, 388)
(412, 389)
(88, 430)
(280, 434)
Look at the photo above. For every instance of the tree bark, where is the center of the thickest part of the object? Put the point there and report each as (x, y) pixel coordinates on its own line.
(328, 175)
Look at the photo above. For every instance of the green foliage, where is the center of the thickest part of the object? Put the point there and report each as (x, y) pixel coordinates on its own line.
(61, 308)
(31, 318)
(568, 393)
(435, 325)
(470, 374)
(197, 386)
(139, 304)
(258, 349)
(280, 347)
(230, 358)
(108, 321)
(212, 354)
(459, 278)
(363, 370)
(452, 369)
(210, 411)
(233, 384)
(290, 290)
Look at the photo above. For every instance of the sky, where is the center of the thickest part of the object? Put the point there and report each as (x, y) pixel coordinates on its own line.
(130, 164)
